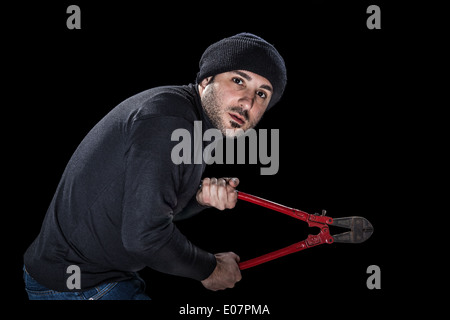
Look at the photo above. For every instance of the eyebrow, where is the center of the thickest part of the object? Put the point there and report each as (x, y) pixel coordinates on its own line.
(248, 78)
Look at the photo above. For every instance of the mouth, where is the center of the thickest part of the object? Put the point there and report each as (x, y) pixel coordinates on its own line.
(237, 118)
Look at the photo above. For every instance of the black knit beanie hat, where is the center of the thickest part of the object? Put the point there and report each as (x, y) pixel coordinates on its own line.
(245, 51)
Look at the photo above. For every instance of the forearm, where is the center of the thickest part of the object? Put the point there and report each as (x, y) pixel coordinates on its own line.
(192, 208)
(167, 250)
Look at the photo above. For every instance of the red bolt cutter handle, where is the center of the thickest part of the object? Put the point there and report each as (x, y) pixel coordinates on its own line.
(274, 206)
(295, 213)
(311, 241)
(312, 220)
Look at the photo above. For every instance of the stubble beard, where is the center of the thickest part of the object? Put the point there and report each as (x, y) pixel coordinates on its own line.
(212, 105)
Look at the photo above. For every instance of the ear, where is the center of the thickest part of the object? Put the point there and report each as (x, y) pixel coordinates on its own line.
(202, 85)
(205, 82)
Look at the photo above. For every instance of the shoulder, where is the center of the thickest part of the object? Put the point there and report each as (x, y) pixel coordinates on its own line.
(167, 101)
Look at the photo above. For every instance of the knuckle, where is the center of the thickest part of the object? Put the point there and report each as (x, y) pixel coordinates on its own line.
(231, 205)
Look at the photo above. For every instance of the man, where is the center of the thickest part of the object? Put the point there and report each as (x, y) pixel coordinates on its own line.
(113, 210)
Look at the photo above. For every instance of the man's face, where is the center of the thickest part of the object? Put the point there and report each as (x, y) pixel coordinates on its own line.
(235, 100)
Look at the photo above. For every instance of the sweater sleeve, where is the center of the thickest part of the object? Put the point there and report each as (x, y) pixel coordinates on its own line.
(193, 208)
(151, 193)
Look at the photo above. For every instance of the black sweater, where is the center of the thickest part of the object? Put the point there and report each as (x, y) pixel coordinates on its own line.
(113, 209)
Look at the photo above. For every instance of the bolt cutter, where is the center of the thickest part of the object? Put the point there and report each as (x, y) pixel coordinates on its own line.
(360, 230)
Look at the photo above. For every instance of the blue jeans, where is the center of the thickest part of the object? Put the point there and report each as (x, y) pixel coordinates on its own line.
(133, 289)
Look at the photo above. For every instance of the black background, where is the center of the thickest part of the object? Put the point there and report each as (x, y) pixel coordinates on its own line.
(341, 139)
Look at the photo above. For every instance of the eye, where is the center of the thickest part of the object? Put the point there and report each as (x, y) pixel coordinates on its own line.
(261, 94)
(238, 81)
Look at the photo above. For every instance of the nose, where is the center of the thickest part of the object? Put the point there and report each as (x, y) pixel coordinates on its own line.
(246, 101)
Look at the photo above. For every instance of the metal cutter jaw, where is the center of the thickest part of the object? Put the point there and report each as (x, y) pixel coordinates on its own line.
(361, 229)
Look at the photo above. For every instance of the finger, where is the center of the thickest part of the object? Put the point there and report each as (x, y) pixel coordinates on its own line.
(234, 182)
(238, 275)
(222, 194)
(235, 256)
(213, 191)
(206, 194)
(231, 197)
